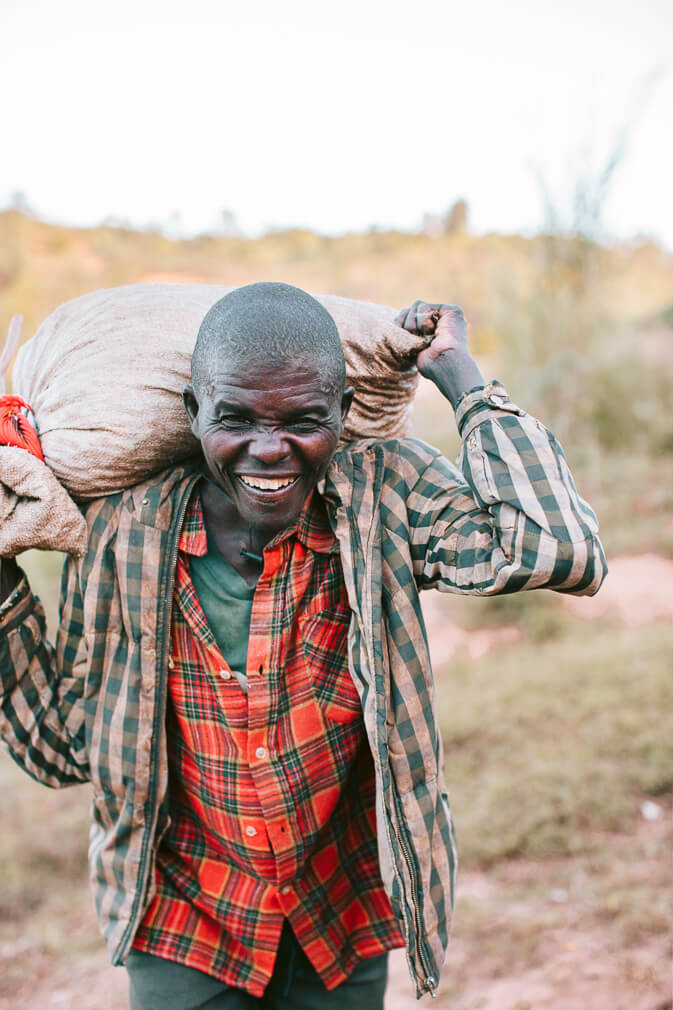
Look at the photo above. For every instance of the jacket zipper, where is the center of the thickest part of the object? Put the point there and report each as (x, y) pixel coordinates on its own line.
(429, 982)
(159, 714)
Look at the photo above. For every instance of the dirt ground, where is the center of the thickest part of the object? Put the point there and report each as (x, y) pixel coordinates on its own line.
(565, 966)
(559, 960)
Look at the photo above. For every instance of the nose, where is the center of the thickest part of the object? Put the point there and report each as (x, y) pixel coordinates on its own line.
(268, 446)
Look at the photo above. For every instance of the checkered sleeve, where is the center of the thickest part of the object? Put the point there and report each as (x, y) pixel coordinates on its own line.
(41, 688)
(510, 518)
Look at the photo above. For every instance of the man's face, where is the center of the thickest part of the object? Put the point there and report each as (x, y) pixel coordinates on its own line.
(267, 436)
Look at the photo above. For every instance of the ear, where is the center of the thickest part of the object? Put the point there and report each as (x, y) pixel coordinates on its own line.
(192, 407)
(346, 401)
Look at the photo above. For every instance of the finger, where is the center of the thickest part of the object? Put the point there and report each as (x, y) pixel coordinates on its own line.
(427, 314)
(420, 317)
(451, 316)
(452, 325)
(409, 317)
(406, 318)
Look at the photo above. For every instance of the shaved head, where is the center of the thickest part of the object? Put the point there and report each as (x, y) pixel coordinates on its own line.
(272, 324)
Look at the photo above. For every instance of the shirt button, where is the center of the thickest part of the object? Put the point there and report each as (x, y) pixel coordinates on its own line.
(225, 674)
(250, 831)
(260, 752)
(286, 889)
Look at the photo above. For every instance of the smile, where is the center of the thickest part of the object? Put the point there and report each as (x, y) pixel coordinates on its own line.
(267, 483)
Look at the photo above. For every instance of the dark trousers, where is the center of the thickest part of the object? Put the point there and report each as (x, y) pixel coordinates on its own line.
(157, 984)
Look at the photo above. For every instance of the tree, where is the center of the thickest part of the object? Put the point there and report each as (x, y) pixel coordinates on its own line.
(455, 221)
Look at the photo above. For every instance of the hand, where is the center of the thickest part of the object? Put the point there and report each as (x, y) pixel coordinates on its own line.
(446, 360)
(445, 323)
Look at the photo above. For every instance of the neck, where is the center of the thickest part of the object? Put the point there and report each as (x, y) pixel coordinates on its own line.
(238, 542)
(220, 511)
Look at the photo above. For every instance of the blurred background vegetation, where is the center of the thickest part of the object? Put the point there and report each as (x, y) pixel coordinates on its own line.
(555, 742)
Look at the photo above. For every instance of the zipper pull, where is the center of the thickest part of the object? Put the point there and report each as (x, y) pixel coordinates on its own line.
(431, 986)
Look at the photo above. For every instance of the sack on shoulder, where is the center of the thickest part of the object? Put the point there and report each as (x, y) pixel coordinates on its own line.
(104, 376)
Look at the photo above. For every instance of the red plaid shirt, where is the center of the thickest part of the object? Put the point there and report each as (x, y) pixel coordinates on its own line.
(272, 795)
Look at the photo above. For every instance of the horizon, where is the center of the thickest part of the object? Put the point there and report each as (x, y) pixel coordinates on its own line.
(424, 230)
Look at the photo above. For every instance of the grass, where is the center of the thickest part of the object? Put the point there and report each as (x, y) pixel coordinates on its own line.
(548, 742)
(552, 743)
(47, 842)
(551, 747)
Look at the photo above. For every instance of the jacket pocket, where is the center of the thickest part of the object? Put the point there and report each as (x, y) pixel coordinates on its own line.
(324, 639)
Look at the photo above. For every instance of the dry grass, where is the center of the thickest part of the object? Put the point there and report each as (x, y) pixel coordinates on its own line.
(552, 743)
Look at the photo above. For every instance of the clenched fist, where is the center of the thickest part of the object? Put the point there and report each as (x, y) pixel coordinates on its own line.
(447, 359)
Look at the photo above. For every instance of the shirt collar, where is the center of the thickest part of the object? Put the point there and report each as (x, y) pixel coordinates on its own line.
(312, 529)
(193, 539)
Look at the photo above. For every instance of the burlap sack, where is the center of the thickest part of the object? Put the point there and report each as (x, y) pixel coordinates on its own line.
(104, 376)
(35, 510)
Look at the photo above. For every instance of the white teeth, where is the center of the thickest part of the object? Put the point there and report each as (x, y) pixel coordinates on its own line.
(267, 483)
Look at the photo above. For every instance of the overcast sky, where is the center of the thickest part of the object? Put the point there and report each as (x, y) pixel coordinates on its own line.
(335, 116)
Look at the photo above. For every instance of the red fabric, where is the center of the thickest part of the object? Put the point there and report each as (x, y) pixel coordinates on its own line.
(17, 425)
(272, 795)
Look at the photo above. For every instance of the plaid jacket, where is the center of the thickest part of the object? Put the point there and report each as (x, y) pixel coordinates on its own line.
(406, 519)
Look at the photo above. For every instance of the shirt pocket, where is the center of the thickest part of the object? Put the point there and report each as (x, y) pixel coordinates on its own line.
(324, 639)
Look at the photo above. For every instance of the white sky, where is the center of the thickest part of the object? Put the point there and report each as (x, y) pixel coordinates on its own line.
(334, 116)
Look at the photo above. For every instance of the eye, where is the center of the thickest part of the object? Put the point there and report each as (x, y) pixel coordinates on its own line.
(303, 425)
(233, 423)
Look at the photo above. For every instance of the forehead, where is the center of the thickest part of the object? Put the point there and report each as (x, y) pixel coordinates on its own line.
(266, 387)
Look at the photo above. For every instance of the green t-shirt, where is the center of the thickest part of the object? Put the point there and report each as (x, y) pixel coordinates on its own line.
(226, 599)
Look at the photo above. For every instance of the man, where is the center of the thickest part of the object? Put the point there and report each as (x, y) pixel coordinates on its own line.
(242, 670)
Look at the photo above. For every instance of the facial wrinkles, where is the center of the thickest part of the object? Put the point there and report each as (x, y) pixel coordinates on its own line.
(268, 437)
(271, 374)
(235, 414)
(271, 400)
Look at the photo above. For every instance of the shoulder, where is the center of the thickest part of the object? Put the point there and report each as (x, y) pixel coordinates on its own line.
(151, 502)
(392, 460)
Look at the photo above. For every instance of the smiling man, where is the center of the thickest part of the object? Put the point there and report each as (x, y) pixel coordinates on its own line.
(242, 669)
(267, 404)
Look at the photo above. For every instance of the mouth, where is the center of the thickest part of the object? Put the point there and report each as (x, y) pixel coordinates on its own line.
(266, 485)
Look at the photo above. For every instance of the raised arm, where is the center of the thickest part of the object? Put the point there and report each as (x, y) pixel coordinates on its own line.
(511, 517)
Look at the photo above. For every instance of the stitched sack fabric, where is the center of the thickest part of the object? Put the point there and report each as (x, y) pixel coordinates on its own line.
(35, 510)
(104, 376)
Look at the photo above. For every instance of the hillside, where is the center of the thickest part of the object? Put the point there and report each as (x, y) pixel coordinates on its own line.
(555, 712)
